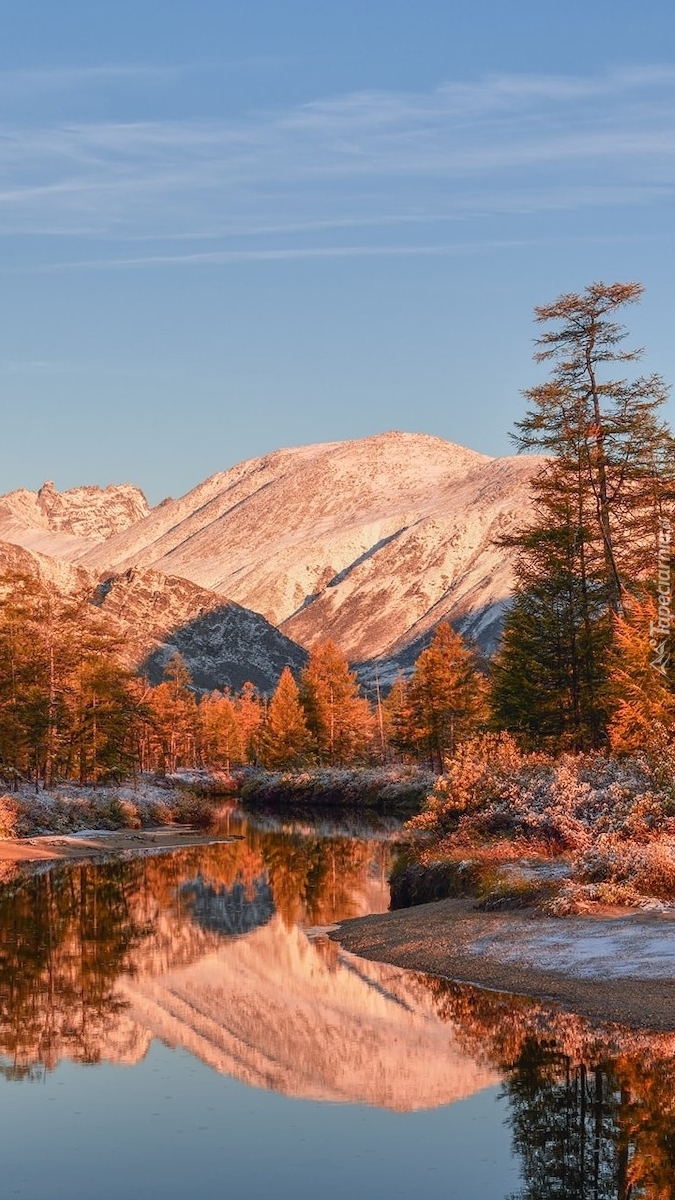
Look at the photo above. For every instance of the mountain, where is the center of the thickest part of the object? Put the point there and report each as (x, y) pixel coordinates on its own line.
(370, 542)
(223, 644)
(66, 524)
(65, 577)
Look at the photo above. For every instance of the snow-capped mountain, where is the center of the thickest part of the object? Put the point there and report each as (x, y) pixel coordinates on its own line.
(371, 542)
(223, 644)
(65, 524)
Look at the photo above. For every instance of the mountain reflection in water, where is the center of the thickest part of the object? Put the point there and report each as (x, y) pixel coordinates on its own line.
(215, 949)
(207, 948)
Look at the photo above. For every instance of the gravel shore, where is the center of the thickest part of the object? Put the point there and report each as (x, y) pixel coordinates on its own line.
(616, 967)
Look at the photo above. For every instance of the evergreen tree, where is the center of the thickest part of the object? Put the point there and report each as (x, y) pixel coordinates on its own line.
(548, 677)
(286, 741)
(598, 505)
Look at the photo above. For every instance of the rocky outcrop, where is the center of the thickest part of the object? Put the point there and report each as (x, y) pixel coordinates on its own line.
(223, 644)
(67, 524)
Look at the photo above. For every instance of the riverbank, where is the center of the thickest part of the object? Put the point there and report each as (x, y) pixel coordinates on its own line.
(616, 966)
(92, 843)
(384, 789)
(186, 798)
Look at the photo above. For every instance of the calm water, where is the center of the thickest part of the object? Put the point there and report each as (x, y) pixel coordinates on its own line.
(180, 1025)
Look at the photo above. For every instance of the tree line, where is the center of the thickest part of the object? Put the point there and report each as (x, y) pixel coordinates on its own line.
(584, 661)
(70, 709)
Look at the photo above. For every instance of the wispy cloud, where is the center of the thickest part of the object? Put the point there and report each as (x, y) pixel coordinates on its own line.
(278, 254)
(506, 144)
(16, 83)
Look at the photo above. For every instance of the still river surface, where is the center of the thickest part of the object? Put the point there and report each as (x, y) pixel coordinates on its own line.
(180, 1025)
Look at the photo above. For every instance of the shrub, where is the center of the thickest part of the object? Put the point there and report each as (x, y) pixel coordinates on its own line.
(613, 820)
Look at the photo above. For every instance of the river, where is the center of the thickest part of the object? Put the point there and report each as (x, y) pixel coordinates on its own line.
(180, 1024)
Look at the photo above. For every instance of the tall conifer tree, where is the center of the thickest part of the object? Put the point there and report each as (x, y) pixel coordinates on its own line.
(597, 508)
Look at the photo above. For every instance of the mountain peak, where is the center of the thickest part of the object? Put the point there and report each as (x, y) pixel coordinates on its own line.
(370, 541)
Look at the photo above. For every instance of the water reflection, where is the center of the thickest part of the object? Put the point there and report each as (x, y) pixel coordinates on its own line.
(209, 948)
(214, 949)
(592, 1111)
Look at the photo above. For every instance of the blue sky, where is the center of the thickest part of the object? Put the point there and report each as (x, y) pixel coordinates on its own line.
(228, 227)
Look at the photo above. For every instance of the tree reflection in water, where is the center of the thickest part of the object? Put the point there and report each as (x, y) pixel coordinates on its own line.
(65, 938)
(592, 1111)
(67, 935)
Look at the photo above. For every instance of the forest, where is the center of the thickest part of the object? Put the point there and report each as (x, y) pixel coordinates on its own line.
(584, 666)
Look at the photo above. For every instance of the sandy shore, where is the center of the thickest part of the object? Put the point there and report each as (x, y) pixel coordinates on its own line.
(91, 843)
(618, 967)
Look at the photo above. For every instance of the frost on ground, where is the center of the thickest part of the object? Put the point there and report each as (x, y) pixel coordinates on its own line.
(183, 798)
(627, 947)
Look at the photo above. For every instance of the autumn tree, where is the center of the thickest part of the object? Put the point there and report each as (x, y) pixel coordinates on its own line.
(640, 696)
(338, 717)
(397, 720)
(598, 503)
(221, 739)
(286, 741)
(18, 675)
(445, 699)
(250, 711)
(174, 716)
(65, 698)
(105, 736)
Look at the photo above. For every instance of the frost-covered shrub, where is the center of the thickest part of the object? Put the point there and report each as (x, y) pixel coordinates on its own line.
(613, 820)
(377, 787)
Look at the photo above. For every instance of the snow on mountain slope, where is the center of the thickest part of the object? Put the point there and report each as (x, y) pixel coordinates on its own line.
(371, 542)
(223, 644)
(67, 524)
(64, 576)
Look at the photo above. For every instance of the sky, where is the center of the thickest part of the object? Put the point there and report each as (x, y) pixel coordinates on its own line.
(232, 226)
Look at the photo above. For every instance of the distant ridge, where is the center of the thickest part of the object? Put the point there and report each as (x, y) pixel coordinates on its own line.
(371, 542)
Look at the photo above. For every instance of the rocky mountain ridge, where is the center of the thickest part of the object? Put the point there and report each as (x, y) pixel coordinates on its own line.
(370, 542)
(223, 644)
(66, 524)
